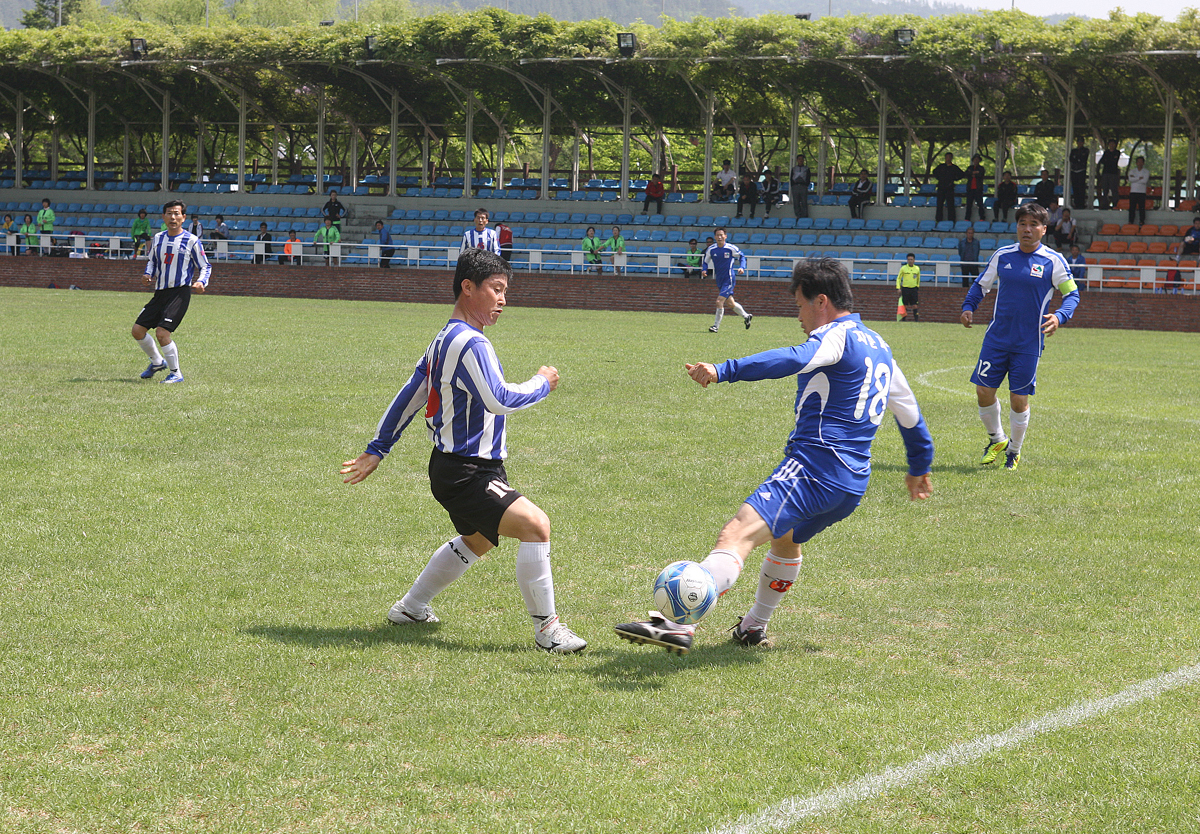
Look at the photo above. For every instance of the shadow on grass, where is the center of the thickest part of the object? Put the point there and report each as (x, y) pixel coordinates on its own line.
(366, 636)
(130, 380)
(647, 667)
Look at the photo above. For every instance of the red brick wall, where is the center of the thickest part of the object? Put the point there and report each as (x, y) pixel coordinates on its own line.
(875, 301)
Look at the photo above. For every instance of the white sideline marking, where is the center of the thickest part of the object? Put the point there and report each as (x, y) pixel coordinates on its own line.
(790, 811)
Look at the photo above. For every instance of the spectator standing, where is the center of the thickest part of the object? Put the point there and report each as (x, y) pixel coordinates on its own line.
(1139, 187)
(770, 192)
(968, 255)
(747, 193)
(1110, 175)
(265, 238)
(8, 228)
(656, 191)
(592, 247)
(799, 184)
(976, 178)
(691, 260)
(325, 236)
(140, 231)
(1065, 229)
(1043, 192)
(386, 249)
(946, 174)
(1006, 197)
(860, 194)
(908, 287)
(334, 211)
(45, 224)
(505, 239)
(1077, 264)
(616, 246)
(726, 183)
(291, 250)
(1078, 163)
(29, 233)
(480, 236)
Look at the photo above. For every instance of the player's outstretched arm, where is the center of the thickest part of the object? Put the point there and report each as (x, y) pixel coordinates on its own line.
(920, 487)
(702, 372)
(357, 470)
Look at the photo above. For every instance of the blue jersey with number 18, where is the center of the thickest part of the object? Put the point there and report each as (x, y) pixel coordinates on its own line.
(846, 379)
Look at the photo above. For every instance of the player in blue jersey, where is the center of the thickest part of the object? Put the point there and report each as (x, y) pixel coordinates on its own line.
(459, 386)
(177, 265)
(846, 378)
(725, 261)
(480, 236)
(1028, 273)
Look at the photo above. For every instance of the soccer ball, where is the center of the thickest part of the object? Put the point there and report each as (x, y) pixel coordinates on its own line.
(684, 592)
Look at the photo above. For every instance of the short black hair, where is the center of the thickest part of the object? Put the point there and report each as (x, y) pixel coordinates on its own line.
(169, 203)
(824, 276)
(1035, 210)
(476, 266)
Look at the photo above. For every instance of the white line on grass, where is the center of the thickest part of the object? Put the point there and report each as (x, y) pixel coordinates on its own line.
(791, 811)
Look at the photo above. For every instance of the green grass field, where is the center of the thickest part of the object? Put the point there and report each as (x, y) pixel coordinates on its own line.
(191, 616)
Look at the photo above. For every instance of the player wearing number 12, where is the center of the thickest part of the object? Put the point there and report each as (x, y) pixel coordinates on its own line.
(846, 379)
(1028, 273)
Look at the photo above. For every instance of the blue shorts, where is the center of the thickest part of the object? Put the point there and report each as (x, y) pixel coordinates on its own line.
(725, 287)
(994, 365)
(791, 499)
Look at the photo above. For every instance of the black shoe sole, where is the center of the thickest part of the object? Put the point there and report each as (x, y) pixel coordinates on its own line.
(650, 641)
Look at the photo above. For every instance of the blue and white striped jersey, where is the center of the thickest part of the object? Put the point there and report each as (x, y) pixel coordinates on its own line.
(1027, 282)
(177, 261)
(723, 262)
(486, 239)
(460, 384)
(846, 378)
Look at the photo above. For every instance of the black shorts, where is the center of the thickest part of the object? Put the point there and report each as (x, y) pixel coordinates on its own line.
(474, 491)
(910, 295)
(166, 309)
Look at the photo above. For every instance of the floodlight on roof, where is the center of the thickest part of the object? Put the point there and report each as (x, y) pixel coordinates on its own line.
(627, 44)
(369, 46)
(905, 37)
(138, 47)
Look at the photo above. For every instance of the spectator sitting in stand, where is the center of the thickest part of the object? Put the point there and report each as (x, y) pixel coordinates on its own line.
(726, 183)
(291, 250)
(1064, 229)
(747, 193)
(691, 260)
(1078, 265)
(141, 231)
(1190, 244)
(1006, 197)
(860, 193)
(221, 230)
(656, 191)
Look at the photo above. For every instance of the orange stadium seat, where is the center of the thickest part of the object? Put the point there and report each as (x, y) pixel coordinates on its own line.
(1148, 230)
(1169, 231)
(1156, 248)
(1110, 229)
(1122, 205)
(1118, 247)
(1137, 247)
(1097, 247)
(1129, 229)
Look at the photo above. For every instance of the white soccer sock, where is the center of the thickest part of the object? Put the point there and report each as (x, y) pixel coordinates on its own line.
(448, 563)
(990, 415)
(725, 567)
(1018, 423)
(171, 354)
(720, 315)
(535, 579)
(150, 347)
(774, 580)
(739, 309)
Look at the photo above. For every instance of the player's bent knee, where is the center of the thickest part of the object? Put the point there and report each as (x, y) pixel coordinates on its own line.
(525, 521)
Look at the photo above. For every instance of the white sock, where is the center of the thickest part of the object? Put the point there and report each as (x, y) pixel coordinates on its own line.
(150, 347)
(990, 415)
(720, 315)
(725, 567)
(535, 579)
(738, 308)
(774, 580)
(448, 563)
(1018, 423)
(171, 354)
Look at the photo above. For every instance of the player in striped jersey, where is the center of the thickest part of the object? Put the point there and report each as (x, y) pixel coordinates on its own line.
(481, 237)
(723, 260)
(459, 386)
(177, 265)
(846, 379)
(1028, 273)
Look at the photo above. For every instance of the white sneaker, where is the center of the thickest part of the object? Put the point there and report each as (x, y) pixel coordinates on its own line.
(553, 636)
(398, 616)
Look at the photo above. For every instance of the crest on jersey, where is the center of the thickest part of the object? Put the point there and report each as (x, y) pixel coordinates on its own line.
(1036, 270)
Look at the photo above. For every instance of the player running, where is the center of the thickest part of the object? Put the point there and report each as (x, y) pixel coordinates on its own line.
(846, 379)
(723, 260)
(1012, 346)
(177, 265)
(480, 237)
(460, 387)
